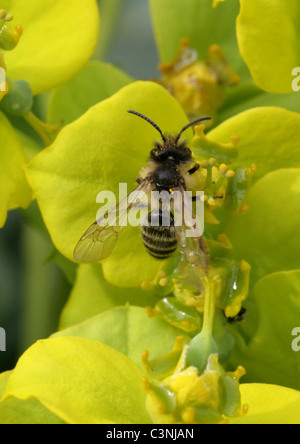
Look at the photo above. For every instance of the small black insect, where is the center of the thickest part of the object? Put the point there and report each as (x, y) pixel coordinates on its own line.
(240, 317)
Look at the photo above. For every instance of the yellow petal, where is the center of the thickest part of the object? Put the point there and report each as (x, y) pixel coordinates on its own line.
(268, 35)
(14, 190)
(269, 404)
(59, 38)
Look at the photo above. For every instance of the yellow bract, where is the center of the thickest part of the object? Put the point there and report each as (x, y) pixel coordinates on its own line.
(14, 190)
(59, 38)
(268, 35)
(81, 381)
(104, 147)
(269, 404)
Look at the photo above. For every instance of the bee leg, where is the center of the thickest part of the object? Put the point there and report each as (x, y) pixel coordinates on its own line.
(139, 180)
(194, 169)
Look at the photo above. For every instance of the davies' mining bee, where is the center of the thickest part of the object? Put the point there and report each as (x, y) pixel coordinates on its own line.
(168, 170)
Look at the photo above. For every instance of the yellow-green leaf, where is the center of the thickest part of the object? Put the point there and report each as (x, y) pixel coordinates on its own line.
(82, 381)
(268, 35)
(14, 189)
(59, 38)
(130, 331)
(31, 411)
(92, 295)
(96, 82)
(268, 355)
(269, 138)
(267, 236)
(269, 404)
(104, 147)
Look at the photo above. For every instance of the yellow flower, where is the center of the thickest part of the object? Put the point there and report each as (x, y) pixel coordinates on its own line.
(186, 397)
(199, 86)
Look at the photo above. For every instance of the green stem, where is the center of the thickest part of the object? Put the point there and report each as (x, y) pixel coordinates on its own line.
(203, 345)
(209, 178)
(43, 129)
(209, 308)
(219, 183)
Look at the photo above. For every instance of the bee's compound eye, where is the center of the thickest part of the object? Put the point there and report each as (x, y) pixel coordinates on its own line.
(154, 153)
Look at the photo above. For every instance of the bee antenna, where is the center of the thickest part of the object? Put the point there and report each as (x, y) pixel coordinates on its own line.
(191, 124)
(149, 121)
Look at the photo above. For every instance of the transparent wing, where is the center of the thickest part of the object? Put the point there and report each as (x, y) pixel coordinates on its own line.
(99, 240)
(190, 241)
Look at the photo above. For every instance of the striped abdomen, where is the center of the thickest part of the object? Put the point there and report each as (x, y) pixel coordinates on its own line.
(160, 238)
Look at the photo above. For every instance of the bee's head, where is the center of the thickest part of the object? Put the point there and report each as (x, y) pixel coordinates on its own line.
(170, 148)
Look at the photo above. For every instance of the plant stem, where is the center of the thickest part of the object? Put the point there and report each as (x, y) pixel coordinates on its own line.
(209, 307)
(43, 129)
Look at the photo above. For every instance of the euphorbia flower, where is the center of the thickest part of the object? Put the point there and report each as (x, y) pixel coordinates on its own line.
(30, 394)
(152, 100)
(64, 166)
(101, 129)
(263, 347)
(199, 86)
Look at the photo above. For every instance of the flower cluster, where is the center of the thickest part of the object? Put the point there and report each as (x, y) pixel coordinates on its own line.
(232, 314)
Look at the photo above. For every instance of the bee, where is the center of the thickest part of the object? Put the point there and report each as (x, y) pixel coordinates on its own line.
(240, 317)
(169, 168)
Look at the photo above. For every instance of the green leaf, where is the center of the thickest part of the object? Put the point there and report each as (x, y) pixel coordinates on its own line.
(31, 411)
(92, 295)
(197, 20)
(269, 357)
(269, 404)
(96, 82)
(30, 145)
(268, 35)
(81, 381)
(14, 189)
(130, 331)
(269, 138)
(239, 100)
(267, 236)
(58, 40)
(104, 147)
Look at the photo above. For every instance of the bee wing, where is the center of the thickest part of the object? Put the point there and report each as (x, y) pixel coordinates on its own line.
(190, 241)
(99, 240)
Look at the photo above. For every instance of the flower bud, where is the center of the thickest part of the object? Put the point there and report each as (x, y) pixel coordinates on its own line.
(188, 397)
(199, 86)
(9, 38)
(18, 101)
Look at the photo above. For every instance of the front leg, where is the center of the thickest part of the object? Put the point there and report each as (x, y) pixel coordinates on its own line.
(194, 169)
